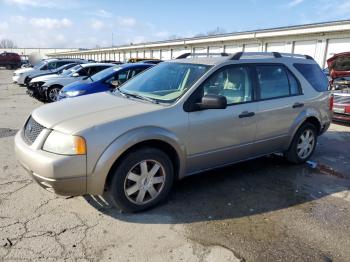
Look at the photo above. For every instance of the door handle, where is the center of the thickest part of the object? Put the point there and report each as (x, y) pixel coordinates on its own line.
(296, 105)
(246, 114)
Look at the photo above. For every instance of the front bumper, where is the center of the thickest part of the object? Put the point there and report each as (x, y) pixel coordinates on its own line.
(15, 78)
(64, 175)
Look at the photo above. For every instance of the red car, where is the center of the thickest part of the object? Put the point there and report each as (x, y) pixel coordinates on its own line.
(10, 60)
(339, 71)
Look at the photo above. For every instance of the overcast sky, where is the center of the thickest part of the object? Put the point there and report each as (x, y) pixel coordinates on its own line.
(79, 23)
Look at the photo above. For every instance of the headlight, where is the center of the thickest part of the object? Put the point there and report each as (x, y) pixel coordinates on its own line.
(74, 93)
(63, 144)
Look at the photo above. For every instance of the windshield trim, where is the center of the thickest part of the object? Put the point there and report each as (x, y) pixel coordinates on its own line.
(171, 101)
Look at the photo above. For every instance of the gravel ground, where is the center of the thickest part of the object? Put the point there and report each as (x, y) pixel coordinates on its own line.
(261, 210)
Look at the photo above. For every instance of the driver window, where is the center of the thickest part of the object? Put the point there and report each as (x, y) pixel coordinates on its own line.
(51, 65)
(232, 82)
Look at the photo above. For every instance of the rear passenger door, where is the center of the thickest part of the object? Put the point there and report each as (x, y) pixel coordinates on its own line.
(279, 103)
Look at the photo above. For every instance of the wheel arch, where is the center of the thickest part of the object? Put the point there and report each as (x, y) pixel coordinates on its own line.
(308, 116)
(131, 140)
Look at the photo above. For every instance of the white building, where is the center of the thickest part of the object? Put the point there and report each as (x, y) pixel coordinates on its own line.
(320, 40)
(25, 52)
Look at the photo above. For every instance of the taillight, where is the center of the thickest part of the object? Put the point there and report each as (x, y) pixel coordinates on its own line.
(331, 103)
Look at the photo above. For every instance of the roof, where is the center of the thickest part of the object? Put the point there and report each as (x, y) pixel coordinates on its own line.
(96, 64)
(242, 56)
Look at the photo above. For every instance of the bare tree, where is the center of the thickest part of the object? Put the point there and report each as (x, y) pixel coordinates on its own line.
(7, 43)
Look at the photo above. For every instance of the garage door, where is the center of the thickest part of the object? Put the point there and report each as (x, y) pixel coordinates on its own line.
(140, 54)
(200, 50)
(178, 52)
(231, 49)
(215, 49)
(276, 47)
(305, 48)
(165, 54)
(148, 54)
(156, 54)
(336, 46)
(252, 48)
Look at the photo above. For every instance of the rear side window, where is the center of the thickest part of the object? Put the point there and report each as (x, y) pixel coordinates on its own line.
(314, 75)
(276, 81)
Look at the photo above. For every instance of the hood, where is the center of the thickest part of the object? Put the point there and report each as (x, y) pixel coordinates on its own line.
(60, 80)
(339, 65)
(23, 70)
(78, 85)
(72, 115)
(44, 78)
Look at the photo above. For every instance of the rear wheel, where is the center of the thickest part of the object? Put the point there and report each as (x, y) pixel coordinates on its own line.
(142, 180)
(303, 144)
(53, 93)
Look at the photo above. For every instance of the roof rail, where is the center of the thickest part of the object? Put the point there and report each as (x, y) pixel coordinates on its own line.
(201, 54)
(238, 55)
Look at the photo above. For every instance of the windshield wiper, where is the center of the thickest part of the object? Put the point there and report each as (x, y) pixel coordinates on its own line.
(145, 98)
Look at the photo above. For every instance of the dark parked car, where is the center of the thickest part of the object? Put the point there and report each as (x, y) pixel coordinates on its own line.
(105, 80)
(10, 60)
(339, 71)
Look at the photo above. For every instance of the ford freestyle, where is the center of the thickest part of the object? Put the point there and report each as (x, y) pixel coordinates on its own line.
(176, 119)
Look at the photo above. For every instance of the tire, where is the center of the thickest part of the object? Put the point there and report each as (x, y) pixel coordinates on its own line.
(52, 93)
(294, 153)
(128, 185)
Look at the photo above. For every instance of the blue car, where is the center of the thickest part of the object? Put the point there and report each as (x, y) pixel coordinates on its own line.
(104, 80)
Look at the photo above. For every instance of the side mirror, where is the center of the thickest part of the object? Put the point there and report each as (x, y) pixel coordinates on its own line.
(115, 83)
(75, 75)
(212, 102)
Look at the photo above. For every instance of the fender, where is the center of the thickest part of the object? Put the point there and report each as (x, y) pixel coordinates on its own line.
(300, 119)
(97, 179)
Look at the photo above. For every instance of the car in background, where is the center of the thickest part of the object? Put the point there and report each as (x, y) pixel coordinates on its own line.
(56, 71)
(10, 60)
(148, 60)
(339, 72)
(105, 80)
(111, 62)
(49, 90)
(20, 75)
(154, 62)
(33, 84)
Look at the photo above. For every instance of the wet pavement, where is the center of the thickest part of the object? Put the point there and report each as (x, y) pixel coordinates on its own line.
(261, 210)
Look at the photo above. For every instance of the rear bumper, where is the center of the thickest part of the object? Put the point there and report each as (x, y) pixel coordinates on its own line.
(341, 117)
(64, 175)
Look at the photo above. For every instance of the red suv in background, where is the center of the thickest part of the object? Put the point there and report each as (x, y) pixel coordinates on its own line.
(339, 72)
(10, 60)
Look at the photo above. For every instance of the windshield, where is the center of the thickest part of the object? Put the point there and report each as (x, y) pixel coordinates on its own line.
(39, 65)
(165, 82)
(104, 73)
(71, 70)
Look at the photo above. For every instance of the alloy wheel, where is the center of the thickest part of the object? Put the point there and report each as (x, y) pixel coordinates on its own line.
(144, 182)
(306, 144)
(53, 94)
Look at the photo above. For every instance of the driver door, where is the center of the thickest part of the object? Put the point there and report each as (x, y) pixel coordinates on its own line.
(218, 137)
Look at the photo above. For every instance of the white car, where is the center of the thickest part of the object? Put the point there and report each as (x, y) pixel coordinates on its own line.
(20, 75)
(48, 87)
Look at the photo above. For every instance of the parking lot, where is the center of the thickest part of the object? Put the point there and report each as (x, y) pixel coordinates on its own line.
(261, 210)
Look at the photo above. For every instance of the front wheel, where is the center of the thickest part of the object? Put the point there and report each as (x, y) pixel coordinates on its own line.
(303, 144)
(53, 94)
(142, 180)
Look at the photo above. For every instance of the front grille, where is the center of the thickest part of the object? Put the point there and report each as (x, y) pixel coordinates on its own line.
(341, 98)
(31, 130)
